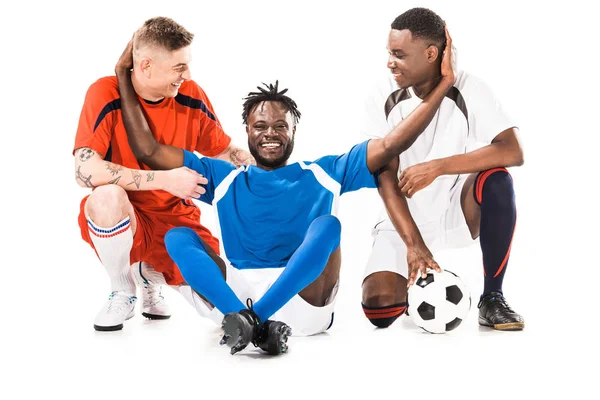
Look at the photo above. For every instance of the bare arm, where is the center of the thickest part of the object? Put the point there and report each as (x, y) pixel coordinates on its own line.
(236, 156)
(418, 256)
(143, 144)
(396, 205)
(504, 151)
(92, 171)
(382, 151)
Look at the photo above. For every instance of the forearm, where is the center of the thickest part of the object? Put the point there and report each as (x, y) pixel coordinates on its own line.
(397, 206)
(92, 171)
(236, 156)
(494, 155)
(141, 140)
(404, 134)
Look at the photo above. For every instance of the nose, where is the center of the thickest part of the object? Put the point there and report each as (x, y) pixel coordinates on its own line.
(391, 63)
(187, 75)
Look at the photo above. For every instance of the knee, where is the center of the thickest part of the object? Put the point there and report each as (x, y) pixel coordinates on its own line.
(329, 226)
(496, 184)
(384, 300)
(177, 239)
(107, 205)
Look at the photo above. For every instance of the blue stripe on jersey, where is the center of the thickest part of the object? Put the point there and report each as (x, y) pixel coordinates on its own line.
(264, 215)
(194, 103)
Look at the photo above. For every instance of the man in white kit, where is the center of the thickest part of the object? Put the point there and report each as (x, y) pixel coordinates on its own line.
(450, 187)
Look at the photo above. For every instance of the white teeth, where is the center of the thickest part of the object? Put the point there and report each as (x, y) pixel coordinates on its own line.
(271, 145)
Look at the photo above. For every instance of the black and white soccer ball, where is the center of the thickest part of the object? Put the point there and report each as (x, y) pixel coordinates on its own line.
(439, 302)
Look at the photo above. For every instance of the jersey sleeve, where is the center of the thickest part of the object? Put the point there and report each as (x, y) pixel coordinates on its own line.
(213, 170)
(212, 140)
(350, 170)
(488, 117)
(100, 109)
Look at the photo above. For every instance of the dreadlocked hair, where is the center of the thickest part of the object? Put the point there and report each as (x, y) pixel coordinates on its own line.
(269, 94)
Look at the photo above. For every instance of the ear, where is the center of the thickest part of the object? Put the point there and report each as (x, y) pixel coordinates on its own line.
(294, 131)
(146, 67)
(431, 53)
(247, 130)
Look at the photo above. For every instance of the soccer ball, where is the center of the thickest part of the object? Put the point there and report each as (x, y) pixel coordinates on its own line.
(439, 303)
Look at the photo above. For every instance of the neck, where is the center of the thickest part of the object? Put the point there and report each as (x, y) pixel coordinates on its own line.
(142, 90)
(423, 89)
(270, 167)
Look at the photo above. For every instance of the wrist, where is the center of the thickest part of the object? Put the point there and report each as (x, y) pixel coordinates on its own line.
(160, 180)
(438, 167)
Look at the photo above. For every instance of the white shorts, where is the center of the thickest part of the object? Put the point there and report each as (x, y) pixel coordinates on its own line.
(450, 232)
(304, 318)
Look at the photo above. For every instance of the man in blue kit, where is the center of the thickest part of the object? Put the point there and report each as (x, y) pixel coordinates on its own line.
(277, 221)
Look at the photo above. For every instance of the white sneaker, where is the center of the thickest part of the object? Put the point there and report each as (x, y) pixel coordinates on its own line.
(118, 309)
(151, 284)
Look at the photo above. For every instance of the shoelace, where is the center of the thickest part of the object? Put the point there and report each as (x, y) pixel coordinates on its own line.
(118, 302)
(154, 293)
(500, 300)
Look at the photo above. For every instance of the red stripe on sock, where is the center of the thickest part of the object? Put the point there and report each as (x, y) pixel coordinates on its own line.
(482, 178)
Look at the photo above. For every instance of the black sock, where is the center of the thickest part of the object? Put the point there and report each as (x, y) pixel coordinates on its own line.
(495, 194)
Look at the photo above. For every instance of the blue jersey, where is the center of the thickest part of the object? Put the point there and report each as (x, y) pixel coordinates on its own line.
(263, 215)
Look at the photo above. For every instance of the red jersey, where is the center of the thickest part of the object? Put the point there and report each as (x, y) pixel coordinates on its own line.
(187, 121)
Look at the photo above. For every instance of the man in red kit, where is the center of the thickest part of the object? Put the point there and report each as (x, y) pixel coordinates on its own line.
(131, 207)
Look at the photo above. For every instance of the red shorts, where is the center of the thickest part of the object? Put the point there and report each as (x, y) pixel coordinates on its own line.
(149, 238)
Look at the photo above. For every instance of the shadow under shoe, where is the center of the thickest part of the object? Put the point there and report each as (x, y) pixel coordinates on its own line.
(244, 327)
(495, 312)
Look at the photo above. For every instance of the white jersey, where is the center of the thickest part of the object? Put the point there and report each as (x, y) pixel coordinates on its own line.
(469, 117)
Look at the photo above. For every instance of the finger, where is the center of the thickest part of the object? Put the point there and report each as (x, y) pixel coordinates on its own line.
(434, 266)
(423, 270)
(448, 37)
(200, 190)
(412, 275)
(202, 180)
(404, 189)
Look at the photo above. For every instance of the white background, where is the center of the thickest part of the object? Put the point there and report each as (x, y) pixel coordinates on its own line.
(541, 59)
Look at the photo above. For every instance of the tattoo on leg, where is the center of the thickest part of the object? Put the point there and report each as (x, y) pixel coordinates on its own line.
(85, 154)
(137, 179)
(86, 180)
(114, 169)
(149, 176)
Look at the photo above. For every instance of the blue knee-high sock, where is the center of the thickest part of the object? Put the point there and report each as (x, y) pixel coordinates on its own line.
(199, 270)
(305, 265)
(495, 193)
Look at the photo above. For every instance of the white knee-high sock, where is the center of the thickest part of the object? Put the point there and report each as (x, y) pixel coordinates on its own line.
(113, 246)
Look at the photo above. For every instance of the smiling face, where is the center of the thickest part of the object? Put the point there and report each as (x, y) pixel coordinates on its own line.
(271, 133)
(411, 61)
(162, 72)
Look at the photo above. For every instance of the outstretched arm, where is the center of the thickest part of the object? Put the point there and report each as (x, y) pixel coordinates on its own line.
(143, 144)
(382, 151)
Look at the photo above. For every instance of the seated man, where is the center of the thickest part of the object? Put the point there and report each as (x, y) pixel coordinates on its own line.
(277, 221)
(446, 189)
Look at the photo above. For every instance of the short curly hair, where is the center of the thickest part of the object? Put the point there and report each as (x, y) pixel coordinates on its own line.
(422, 24)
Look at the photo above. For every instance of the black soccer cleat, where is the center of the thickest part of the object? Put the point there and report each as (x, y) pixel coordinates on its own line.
(273, 337)
(244, 327)
(495, 312)
(240, 329)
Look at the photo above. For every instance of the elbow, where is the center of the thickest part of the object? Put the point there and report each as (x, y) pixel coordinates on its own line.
(519, 159)
(145, 155)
